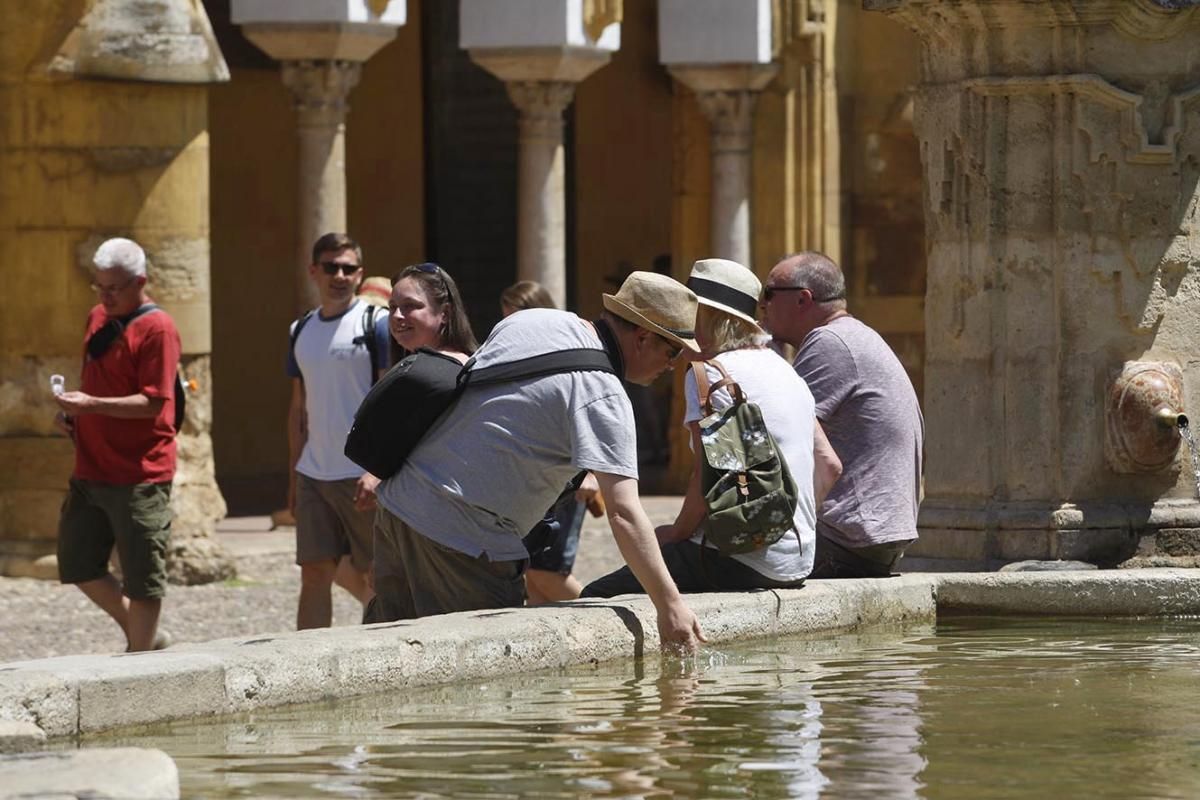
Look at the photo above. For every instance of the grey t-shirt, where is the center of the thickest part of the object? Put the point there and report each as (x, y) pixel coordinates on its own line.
(869, 411)
(488, 470)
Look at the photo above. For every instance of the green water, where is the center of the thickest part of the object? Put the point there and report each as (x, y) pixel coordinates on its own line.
(979, 708)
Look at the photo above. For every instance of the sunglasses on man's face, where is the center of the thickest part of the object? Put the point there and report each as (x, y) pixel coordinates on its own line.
(672, 349)
(334, 267)
(769, 291)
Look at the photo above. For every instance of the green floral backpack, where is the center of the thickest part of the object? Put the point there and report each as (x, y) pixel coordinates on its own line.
(750, 494)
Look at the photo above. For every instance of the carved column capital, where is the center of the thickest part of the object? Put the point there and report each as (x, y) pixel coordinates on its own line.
(727, 95)
(541, 105)
(731, 115)
(320, 88)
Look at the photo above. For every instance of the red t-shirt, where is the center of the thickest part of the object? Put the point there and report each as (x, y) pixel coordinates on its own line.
(142, 360)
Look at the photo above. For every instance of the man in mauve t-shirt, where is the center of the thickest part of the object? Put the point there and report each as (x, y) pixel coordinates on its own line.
(869, 411)
(122, 421)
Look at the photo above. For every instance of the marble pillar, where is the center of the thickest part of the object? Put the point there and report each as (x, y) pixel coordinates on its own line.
(541, 183)
(727, 94)
(320, 90)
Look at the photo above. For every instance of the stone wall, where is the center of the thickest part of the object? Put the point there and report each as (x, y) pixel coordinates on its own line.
(80, 161)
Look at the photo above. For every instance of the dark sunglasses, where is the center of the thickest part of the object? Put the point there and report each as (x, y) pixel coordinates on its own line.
(333, 268)
(769, 291)
(674, 349)
(430, 268)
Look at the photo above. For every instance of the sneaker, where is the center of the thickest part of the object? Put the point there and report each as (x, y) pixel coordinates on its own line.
(162, 640)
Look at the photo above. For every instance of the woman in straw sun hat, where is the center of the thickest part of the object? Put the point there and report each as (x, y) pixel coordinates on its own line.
(728, 293)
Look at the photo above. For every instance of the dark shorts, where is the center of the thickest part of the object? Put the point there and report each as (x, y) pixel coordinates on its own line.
(553, 542)
(834, 560)
(328, 526)
(694, 569)
(136, 519)
(417, 577)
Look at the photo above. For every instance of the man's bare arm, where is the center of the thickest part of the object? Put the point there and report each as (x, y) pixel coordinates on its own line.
(297, 437)
(133, 406)
(677, 625)
(827, 467)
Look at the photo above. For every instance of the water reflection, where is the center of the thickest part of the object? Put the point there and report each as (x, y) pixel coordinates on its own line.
(997, 709)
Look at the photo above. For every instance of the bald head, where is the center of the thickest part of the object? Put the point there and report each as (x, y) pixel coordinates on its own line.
(819, 274)
(803, 291)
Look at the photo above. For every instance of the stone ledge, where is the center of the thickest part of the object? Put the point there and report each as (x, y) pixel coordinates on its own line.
(84, 694)
(20, 737)
(127, 773)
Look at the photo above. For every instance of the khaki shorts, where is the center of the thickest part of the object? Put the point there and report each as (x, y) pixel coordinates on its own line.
(328, 526)
(417, 577)
(137, 519)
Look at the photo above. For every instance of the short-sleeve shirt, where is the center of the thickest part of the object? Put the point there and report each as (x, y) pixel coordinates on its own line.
(143, 360)
(487, 471)
(331, 357)
(869, 411)
(787, 408)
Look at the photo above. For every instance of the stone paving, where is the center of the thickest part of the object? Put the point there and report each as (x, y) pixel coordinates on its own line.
(44, 618)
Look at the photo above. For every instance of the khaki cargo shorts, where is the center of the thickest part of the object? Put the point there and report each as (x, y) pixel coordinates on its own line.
(136, 519)
(328, 526)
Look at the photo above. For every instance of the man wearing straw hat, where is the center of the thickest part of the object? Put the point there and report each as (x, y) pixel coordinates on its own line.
(737, 348)
(449, 532)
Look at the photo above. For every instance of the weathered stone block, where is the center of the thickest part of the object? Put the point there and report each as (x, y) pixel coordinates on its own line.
(125, 773)
(20, 737)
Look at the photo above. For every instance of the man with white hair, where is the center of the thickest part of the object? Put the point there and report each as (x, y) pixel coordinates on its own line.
(123, 423)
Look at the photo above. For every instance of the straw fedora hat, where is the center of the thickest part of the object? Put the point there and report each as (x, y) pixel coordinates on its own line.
(726, 286)
(659, 304)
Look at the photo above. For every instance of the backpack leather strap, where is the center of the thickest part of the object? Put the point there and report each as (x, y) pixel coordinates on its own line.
(727, 383)
(702, 385)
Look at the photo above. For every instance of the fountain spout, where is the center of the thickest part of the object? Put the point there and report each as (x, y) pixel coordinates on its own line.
(1169, 418)
(1143, 417)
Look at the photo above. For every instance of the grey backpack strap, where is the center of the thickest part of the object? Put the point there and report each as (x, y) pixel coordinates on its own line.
(584, 359)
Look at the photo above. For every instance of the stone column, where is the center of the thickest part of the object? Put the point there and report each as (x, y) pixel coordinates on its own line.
(321, 51)
(1059, 145)
(541, 181)
(727, 95)
(83, 160)
(541, 51)
(320, 89)
(541, 86)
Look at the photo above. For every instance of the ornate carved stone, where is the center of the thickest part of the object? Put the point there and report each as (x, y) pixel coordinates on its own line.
(541, 105)
(731, 114)
(1141, 417)
(599, 14)
(322, 87)
(1061, 149)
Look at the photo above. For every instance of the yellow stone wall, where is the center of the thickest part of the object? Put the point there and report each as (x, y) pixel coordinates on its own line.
(81, 161)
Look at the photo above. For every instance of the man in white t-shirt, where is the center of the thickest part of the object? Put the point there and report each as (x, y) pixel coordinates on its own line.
(450, 528)
(336, 352)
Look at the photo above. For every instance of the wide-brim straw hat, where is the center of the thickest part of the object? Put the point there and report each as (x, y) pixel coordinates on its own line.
(659, 304)
(726, 286)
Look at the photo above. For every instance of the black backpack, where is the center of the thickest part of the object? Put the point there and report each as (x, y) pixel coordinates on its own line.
(407, 401)
(104, 337)
(366, 338)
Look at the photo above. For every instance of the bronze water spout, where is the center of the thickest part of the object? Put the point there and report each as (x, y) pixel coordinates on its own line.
(1170, 418)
